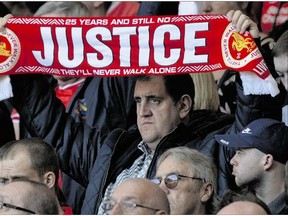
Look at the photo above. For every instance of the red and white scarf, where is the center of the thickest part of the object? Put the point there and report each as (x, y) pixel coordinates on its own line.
(126, 46)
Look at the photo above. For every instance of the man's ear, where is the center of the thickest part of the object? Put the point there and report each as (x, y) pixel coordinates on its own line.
(161, 212)
(50, 179)
(268, 161)
(185, 105)
(206, 192)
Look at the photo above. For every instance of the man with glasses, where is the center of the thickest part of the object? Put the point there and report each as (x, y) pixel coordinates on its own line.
(27, 197)
(137, 196)
(189, 179)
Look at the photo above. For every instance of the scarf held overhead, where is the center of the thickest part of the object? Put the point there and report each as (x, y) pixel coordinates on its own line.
(126, 46)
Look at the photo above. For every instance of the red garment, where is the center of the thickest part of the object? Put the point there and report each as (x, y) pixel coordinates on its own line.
(66, 93)
(273, 14)
(15, 116)
(67, 210)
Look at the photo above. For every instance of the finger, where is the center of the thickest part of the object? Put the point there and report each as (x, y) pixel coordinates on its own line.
(236, 17)
(3, 21)
(230, 15)
(242, 24)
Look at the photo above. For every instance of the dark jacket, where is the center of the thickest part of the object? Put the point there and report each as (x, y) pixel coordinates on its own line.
(7, 133)
(110, 105)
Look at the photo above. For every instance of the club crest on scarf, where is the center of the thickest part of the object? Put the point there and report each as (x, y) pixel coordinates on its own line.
(9, 50)
(239, 50)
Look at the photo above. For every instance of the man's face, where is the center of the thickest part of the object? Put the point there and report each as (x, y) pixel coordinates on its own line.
(13, 194)
(246, 166)
(185, 197)
(281, 67)
(19, 166)
(131, 193)
(157, 114)
(218, 7)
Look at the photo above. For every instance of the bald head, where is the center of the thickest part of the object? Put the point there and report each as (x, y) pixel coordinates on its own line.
(142, 192)
(243, 208)
(29, 195)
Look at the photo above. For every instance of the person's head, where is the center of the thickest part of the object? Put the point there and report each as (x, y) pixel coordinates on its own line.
(280, 57)
(63, 9)
(261, 148)
(96, 8)
(27, 197)
(162, 103)
(30, 158)
(221, 7)
(242, 208)
(137, 196)
(206, 96)
(189, 178)
(242, 202)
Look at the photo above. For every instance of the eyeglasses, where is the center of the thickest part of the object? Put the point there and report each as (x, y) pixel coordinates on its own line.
(125, 205)
(171, 181)
(6, 205)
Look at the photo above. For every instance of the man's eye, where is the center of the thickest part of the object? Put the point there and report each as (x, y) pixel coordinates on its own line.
(4, 181)
(155, 100)
(137, 100)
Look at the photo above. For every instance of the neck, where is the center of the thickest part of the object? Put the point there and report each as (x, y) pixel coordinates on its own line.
(199, 209)
(273, 184)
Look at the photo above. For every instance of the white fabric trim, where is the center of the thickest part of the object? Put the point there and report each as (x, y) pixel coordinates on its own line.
(188, 8)
(252, 84)
(5, 87)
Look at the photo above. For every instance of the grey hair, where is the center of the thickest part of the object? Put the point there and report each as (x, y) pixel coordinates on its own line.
(202, 166)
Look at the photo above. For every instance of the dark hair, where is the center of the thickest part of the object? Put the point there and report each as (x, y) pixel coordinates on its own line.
(176, 85)
(43, 156)
(39, 198)
(242, 195)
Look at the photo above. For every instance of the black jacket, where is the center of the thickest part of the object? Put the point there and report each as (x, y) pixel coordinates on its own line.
(110, 105)
(7, 133)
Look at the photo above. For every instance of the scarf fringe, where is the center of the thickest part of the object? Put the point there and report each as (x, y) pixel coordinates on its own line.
(5, 88)
(252, 84)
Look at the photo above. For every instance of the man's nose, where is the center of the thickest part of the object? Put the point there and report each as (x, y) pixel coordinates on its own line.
(233, 161)
(144, 109)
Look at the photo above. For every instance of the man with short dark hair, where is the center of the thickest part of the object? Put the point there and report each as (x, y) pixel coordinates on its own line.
(259, 162)
(30, 159)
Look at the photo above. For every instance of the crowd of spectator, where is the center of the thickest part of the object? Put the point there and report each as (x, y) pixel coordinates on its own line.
(170, 144)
